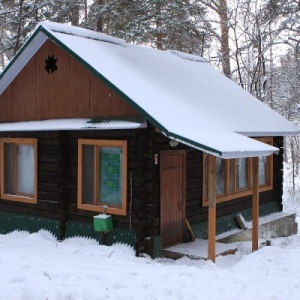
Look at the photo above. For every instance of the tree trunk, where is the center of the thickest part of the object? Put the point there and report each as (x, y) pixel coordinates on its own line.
(17, 44)
(75, 13)
(100, 21)
(158, 35)
(225, 50)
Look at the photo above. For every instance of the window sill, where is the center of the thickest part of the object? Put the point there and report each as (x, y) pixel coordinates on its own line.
(24, 199)
(109, 210)
(241, 194)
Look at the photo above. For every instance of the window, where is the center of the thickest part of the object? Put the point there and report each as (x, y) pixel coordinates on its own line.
(19, 169)
(102, 175)
(233, 178)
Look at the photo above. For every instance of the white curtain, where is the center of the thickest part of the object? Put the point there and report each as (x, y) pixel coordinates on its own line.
(25, 169)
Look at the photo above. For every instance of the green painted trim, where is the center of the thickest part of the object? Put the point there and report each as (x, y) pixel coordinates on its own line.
(148, 117)
(198, 145)
(157, 247)
(223, 224)
(10, 221)
(227, 223)
(100, 120)
(104, 80)
(20, 52)
(88, 67)
(117, 235)
(127, 99)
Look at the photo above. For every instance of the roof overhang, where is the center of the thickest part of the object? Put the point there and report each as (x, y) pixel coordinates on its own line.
(72, 124)
(21, 59)
(224, 144)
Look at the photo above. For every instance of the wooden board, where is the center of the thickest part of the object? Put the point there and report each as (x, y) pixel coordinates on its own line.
(172, 196)
(71, 91)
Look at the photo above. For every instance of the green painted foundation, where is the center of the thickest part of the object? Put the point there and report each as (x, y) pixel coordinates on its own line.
(228, 222)
(224, 224)
(12, 221)
(117, 235)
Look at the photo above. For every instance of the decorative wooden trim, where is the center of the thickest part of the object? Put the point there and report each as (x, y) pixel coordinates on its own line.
(243, 192)
(98, 208)
(211, 208)
(18, 197)
(255, 204)
(96, 175)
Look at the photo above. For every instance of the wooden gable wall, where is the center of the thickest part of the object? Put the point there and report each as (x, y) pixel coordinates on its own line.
(70, 92)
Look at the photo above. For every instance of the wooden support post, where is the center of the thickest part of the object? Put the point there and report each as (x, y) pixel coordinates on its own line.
(255, 204)
(211, 207)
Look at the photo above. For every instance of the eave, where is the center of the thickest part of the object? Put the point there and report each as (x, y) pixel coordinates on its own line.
(196, 141)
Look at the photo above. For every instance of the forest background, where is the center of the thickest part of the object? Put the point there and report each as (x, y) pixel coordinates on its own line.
(255, 43)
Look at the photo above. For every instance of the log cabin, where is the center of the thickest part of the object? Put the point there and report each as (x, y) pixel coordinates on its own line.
(155, 139)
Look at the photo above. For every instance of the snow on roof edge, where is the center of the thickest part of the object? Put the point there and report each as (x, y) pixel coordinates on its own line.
(237, 152)
(20, 59)
(102, 37)
(187, 56)
(80, 32)
(274, 133)
(69, 124)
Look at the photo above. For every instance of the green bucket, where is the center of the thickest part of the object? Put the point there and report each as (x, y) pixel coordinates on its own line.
(103, 223)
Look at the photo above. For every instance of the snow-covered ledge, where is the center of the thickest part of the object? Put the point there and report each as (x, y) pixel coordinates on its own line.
(275, 225)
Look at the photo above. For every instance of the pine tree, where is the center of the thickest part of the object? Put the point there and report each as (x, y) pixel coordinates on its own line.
(161, 24)
(19, 18)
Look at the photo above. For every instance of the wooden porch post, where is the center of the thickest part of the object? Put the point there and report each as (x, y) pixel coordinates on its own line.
(255, 204)
(211, 207)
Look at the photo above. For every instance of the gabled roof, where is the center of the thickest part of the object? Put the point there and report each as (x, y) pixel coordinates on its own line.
(180, 94)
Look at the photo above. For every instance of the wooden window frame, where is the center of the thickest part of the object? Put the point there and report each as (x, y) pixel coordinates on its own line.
(99, 207)
(18, 197)
(231, 195)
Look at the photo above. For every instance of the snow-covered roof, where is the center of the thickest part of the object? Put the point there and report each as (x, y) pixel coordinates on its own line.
(71, 124)
(180, 94)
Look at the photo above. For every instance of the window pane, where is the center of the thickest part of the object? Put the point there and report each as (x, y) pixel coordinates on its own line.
(241, 173)
(110, 160)
(206, 176)
(9, 168)
(25, 169)
(220, 170)
(231, 175)
(88, 174)
(262, 170)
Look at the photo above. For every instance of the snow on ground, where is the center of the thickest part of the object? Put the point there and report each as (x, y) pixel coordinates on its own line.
(37, 267)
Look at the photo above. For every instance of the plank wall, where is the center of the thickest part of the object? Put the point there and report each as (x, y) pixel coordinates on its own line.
(70, 92)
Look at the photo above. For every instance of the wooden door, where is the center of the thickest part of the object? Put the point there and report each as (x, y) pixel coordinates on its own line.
(172, 197)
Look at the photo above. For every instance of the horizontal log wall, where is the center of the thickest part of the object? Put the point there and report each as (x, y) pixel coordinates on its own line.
(195, 212)
(57, 178)
(49, 176)
(57, 181)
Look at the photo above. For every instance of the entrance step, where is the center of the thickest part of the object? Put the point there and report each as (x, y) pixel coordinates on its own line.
(197, 250)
